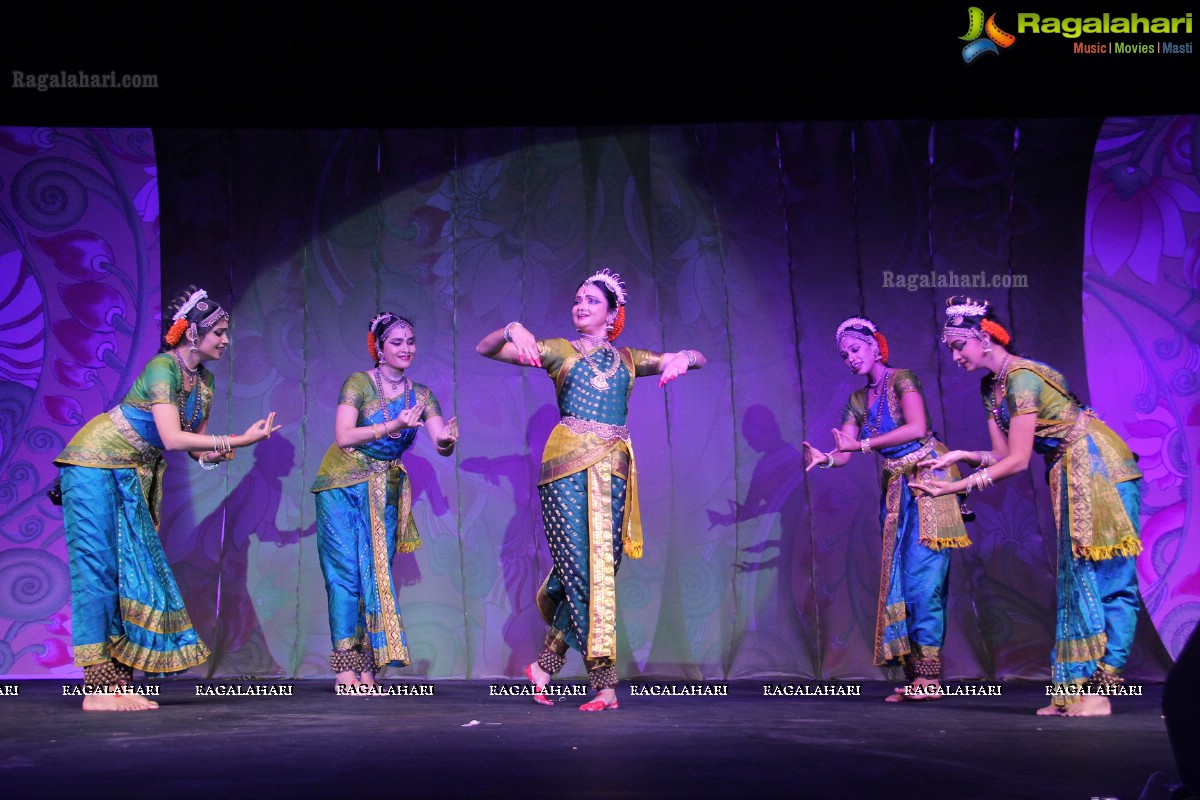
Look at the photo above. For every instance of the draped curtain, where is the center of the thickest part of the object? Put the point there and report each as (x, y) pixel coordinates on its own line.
(749, 242)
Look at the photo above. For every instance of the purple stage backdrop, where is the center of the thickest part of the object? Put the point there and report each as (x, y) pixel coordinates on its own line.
(79, 318)
(749, 242)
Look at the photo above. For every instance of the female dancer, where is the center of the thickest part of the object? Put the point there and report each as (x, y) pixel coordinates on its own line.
(588, 485)
(918, 532)
(1093, 485)
(364, 501)
(126, 609)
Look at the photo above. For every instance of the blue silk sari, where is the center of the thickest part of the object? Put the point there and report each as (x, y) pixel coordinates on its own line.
(364, 515)
(125, 603)
(588, 492)
(918, 532)
(1094, 485)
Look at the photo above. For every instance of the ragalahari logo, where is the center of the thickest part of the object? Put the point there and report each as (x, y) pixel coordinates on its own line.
(976, 28)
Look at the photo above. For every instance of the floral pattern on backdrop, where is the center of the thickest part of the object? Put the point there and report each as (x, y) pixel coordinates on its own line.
(749, 242)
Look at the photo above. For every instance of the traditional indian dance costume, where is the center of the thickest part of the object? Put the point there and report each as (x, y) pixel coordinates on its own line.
(364, 515)
(919, 532)
(127, 612)
(588, 491)
(1093, 479)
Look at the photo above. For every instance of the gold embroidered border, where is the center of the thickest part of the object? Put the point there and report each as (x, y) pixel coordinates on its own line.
(146, 450)
(546, 606)
(897, 648)
(895, 466)
(1067, 651)
(928, 651)
(153, 620)
(625, 466)
(389, 623)
(349, 643)
(148, 660)
(567, 452)
(896, 612)
(884, 614)
(88, 654)
(939, 518)
(602, 598)
(408, 538)
(150, 467)
(1099, 526)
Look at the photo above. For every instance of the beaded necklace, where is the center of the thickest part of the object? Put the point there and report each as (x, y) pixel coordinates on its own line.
(874, 418)
(181, 400)
(191, 373)
(393, 382)
(998, 391)
(383, 400)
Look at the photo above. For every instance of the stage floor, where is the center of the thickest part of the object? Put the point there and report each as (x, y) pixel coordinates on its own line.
(465, 741)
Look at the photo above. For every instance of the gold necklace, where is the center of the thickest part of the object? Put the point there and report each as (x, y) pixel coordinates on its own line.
(600, 378)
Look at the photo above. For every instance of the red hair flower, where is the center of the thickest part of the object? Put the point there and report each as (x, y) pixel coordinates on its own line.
(175, 332)
(618, 324)
(996, 331)
(883, 348)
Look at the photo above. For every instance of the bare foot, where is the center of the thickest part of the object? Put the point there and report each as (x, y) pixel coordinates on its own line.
(349, 679)
(605, 699)
(538, 675)
(366, 678)
(1090, 705)
(539, 678)
(1051, 710)
(117, 701)
(920, 689)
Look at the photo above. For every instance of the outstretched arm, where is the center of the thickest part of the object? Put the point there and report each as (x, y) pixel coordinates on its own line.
(672, 365)
(1017, 451)
(835, 457)
(519, 347)
(166, 419)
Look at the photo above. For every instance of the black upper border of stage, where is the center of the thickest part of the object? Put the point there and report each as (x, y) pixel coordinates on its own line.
(613, 66)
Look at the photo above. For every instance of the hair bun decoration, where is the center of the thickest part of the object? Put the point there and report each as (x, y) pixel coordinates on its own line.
(175, 332)
(865, 331)
(381, 325)
(856, 322)
(966, 307)
(611, 280)
(965, 319)
(883, 347)
(996, 331)
(194, 298)
(618, 324)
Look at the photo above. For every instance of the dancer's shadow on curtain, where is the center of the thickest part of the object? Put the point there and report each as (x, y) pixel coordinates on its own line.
(774, 555)
(775, 489)
(425, 489)
(212, 568)
(524, 558)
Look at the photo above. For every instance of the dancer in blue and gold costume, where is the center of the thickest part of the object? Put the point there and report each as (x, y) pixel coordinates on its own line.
(588, 485)
(126, 609)
(1094, 487)
(891, 417)
(364, 501)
